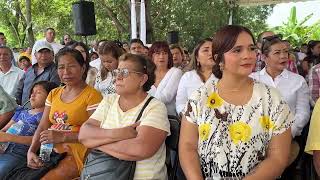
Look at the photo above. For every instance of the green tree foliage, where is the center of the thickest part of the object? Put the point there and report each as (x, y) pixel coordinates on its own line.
(194, 19)
(298, 32)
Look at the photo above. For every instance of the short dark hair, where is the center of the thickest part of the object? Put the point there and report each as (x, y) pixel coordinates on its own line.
(1, 34)
(136, 41)
(24, 57)
(161, 46)
(144, 65)
(223, 41)
(270, 41)
(50, 28)
(176, 46)
(47, 85)
(8, 49)
(311, 45)
(93, 53)
(85, 47)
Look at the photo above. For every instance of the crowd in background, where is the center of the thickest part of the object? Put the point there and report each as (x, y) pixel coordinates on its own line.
(248, 109)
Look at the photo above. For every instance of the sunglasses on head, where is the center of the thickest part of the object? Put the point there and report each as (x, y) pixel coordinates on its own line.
(124, 72)
(269, 39)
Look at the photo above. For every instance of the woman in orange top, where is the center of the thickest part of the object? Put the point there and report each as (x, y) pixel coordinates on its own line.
(67, 108)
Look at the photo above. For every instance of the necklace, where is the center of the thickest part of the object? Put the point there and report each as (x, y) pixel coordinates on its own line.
(240, 91)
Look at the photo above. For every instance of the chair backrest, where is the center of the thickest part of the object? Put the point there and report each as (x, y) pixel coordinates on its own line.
(172, 141)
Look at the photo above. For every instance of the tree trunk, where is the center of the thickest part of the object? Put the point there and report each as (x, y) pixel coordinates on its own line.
(29, 31)
(114, 19)
(149, 22)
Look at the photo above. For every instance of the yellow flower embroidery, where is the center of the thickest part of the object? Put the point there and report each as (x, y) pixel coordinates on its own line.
(266, 123)
(204, 131)
(214, 101)
(239, 131)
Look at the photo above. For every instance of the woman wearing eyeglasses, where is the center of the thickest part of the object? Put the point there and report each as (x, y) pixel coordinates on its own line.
(292, 87)
(234, 127)
(116, 132)
(167, 77)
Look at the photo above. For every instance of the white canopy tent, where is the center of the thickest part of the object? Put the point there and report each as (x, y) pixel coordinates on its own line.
(234, 3)
(263, 2)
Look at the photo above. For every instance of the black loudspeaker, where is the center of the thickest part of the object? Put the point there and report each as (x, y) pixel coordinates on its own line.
(84, 18)
(173, 37)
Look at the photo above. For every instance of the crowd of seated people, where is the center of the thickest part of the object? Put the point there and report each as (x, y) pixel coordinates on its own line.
(244, 106)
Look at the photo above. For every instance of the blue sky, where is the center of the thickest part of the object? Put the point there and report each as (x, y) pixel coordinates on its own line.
(281, 12)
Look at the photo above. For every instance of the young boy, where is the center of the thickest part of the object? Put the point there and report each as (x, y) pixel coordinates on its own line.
(16, 136)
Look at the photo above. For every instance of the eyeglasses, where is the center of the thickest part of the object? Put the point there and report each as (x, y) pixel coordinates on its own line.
(124, 72)
(269, 39)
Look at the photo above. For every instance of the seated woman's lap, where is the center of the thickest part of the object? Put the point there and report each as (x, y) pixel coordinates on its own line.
(66, 170)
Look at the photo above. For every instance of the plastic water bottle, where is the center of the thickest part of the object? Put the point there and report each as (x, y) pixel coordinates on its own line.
(45, 152)
(14, 129)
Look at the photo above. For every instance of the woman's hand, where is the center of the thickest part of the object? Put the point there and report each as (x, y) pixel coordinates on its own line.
(129, 132)
(51, 136)
(33, 160)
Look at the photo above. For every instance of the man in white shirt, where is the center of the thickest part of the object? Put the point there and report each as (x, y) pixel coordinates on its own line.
(10, 75)
(49, 37)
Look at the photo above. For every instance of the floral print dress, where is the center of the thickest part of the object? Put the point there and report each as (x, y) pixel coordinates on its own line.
(233, 140)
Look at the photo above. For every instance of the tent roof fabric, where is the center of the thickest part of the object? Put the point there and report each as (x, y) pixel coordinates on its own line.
(263, 2)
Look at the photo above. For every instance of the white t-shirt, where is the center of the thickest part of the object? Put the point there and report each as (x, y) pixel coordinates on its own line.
(155, 115)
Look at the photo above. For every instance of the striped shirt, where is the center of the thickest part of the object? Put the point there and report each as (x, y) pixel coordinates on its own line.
(155, 115)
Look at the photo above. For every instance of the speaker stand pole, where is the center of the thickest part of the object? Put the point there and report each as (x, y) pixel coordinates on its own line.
(86, 39)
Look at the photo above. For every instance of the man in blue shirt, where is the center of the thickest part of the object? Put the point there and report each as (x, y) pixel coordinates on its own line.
(44, 70)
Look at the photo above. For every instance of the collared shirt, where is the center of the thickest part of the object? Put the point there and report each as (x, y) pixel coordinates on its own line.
(10, 79)
(295, 92)
(30, 77)
(314, 83)
(7, 103)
